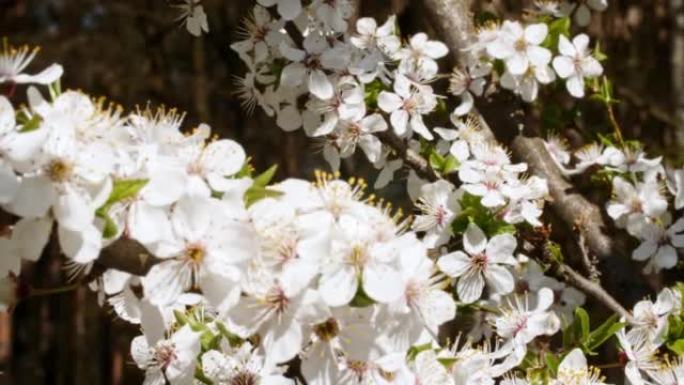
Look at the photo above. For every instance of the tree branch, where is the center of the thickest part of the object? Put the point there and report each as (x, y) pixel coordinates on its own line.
(127, 255)
(569, 205)
(453, 20)
(414, 160)
(575, 279)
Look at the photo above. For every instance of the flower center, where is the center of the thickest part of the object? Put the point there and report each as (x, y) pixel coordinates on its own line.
(413, 290)
(637, 205)
(287, 250)
(410, 105)
(244, 378)
(195, 254)
(327, 330)
(491, 185)
(358, 368)
(277, 300)
(164, 353)
(389, 376)
(313, 62)
(59, 170)
(354, 131)
(358, 256)
(520, 45)
(441, 215)
(480, 262)
(260, 33)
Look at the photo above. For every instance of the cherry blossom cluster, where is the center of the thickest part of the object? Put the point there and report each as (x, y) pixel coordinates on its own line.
(644, 195)
(526, 52)
(648, 333)
(347, 87)
(251, 275)
(259, 282)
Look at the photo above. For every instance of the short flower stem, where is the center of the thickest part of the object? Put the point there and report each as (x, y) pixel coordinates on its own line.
(615, 124)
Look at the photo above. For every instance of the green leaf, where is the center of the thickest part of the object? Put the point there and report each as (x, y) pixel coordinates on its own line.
(556, 28)
(123, 189)
(598, 53)
(569, 337)
(110, 228)
(450, 164)
(440, 163)
(232, 339)
(255, 194)
(447, 362)
(582, 327)
(371, 92)
(472, 211)
(677, 346)
(31, 124)
(277, 67)
(604, 93)
(601, 334)
(436, 160)
(263, 179)
(246, 171)
(675, 327)
(55, 89)
(200, 376)
(484, 17)
(680, 286)
(209, 341)
(258, 190)
(416, 349)
(361, 299)
(555, 251)
(181, 317)
(552, 363)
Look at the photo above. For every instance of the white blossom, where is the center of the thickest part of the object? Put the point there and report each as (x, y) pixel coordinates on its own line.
(576, 63)
(485, 261)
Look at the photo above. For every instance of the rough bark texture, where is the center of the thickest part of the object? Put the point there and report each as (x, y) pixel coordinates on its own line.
(453, 19)
(501, 119)
(412, 159)
(573, 208)
(454, 23)
(677, 54)
(127, 255)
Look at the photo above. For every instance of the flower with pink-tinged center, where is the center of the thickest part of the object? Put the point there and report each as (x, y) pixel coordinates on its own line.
(407, 105)
(163, 360)
(483, 262)
(439, 206)
(521, 324)
(576, 63)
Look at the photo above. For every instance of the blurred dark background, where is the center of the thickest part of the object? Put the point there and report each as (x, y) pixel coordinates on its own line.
(133, 51)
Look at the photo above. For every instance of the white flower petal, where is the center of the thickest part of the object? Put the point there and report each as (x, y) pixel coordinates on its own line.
(454, 264)
(474, 240)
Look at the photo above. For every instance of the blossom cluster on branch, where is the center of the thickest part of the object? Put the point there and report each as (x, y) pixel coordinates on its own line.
(262, 282)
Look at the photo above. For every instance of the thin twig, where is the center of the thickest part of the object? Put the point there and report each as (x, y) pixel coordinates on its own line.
(414, 160)
(575, 279)
(453, 20)
(587, 260)
(614, 123)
